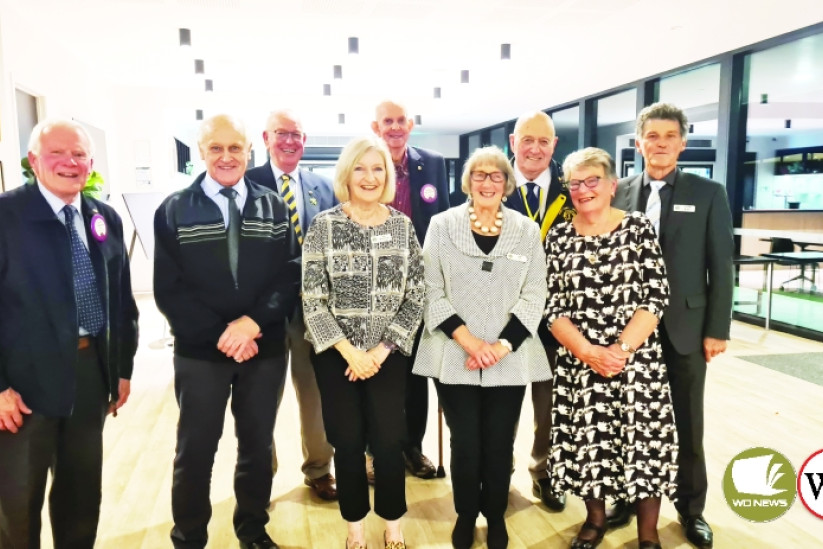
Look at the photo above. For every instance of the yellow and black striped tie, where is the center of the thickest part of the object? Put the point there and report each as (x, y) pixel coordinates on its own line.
(288, 195)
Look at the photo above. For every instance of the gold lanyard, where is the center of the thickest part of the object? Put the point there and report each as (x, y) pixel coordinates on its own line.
(551, 215)
(532, 216)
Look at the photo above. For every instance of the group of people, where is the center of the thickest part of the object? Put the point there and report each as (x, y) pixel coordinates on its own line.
(607, 297)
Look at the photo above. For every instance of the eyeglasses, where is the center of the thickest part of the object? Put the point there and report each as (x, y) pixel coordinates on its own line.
(281, 135)
(479, 177)
(589, 182)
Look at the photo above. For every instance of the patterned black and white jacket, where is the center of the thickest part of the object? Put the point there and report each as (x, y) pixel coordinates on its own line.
(360, 283)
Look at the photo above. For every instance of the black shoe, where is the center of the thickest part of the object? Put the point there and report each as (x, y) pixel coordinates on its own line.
(649, 545)
(419, 465)
(463, 533)
(542, 488)
(599, 531)
(498, 537)
(263, 542)
(620, 514)
(697, 531)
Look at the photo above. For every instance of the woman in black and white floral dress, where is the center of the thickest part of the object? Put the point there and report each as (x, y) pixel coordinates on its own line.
(613, 433)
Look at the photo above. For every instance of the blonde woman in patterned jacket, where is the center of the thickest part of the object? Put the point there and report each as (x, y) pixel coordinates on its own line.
(485, 294)
(363, 302)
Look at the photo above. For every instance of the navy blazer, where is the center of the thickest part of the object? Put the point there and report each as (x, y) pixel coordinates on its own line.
(556, 188)
(318, 194)
(39, 321)
(698, 248)
(426, 169)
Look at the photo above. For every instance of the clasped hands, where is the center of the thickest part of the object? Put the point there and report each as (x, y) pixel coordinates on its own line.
(482, 354)
(606, 361)
(362, 364)
(238, 339)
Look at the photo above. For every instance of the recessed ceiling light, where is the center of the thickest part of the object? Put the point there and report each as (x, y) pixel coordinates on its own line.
(505, 51)
(198, 114)
(464, 77)
(437, 93)
(338, 72)
(418, 120)
(185, 37)
(326, 89)
(788, 124)
(209, 85)
(764, 98)
(341, 118)
(354, 45)
(199, 66)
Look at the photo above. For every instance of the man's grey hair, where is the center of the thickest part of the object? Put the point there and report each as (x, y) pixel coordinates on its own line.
(662, 111)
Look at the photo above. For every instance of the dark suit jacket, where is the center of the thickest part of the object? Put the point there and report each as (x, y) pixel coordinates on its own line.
(698, 247)
(38, 318)
(314, 186)
(426, 168)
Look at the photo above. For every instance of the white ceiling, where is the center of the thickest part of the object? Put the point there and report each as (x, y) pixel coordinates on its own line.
(267, 54)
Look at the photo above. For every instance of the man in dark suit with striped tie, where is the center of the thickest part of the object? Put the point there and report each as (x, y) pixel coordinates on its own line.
(306, 194)
(68, 335)
(541, 196)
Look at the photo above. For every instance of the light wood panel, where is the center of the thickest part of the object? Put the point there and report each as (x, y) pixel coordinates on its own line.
(746, 405)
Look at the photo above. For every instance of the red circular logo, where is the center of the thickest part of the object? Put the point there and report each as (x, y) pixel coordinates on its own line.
(810, 483)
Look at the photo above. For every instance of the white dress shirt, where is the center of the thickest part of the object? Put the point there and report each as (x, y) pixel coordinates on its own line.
(212, 189)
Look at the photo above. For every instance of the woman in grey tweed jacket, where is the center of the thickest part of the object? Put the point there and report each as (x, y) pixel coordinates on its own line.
(485, 295)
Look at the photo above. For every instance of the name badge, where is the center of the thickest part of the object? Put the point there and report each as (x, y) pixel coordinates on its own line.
(516, 257)
(381, 238)
(689, 208)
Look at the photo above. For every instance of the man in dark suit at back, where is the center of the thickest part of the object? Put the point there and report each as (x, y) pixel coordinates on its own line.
(68, 335)
(541, 196)
(422, 191)
(306, 194)
(694, 226)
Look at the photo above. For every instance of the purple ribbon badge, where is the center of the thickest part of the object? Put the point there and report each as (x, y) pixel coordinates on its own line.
(428, 193)
(99, 230)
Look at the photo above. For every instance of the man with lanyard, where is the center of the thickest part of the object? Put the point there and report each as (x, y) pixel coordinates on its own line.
(422, 191)
(541, 196)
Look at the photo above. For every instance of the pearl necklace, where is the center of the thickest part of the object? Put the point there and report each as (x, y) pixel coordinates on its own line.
(494, 229)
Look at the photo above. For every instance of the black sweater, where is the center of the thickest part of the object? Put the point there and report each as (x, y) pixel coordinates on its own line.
(193, 285)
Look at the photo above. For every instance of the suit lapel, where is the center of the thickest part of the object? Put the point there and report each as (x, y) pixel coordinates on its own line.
(634, 192)
(311, 203)
(683, 194)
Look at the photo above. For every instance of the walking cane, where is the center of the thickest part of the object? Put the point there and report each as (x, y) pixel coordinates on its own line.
(441, 472)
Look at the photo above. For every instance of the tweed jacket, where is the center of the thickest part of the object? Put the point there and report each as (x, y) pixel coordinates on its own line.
(360, 283)
(484, 290)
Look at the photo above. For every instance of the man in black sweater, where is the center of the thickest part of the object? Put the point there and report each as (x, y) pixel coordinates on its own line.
(226, 275)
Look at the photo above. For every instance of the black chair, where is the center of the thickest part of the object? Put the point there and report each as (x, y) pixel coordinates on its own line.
(785, 245)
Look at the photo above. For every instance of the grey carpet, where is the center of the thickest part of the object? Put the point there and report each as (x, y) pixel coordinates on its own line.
(805, 366)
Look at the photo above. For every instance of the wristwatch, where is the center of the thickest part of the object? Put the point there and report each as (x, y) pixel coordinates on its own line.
(505, 343)
(625, 347)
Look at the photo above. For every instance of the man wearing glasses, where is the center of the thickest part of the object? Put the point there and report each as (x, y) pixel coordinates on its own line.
(306, 194)
(541, 196)
(422, 191)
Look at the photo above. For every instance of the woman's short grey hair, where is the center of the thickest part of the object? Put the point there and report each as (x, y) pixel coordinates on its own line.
(590, 157)
(351, 155)
(662, 111)
(485, 156)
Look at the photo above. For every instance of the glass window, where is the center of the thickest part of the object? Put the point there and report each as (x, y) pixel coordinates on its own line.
(500, 139)
(474, 142)
(567, 128)
(616, 115)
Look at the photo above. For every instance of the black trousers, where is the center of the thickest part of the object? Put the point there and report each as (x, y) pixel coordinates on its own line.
(687, 379)
(203, 389)
(482, 421)
(359, 412)
(72, 449)
(417, 404)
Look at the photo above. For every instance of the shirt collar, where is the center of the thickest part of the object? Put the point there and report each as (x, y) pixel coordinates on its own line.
(668, 178)
(56, 203)
(212, 187)
(543, 180)
(278, 173)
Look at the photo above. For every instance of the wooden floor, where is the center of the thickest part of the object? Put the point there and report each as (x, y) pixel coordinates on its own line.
(746, 405)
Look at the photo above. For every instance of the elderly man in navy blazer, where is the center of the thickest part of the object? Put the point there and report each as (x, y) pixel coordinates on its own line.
(306, 194)
(422, 191)
(68, 335)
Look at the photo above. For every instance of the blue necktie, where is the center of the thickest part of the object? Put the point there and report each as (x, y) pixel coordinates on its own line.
(86, 294)
(233, 230)
(533, 199)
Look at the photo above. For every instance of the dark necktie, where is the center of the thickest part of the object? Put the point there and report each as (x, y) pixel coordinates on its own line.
(233, 230)
(533, 199)
(86, 294)
(291, 203)
(653, 205)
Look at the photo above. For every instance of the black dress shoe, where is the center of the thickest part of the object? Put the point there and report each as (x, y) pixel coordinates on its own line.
(649, 545)
(498, 537)
(419, 465)
(542, 488)
(263, 542)
(600, 531)
(463, 533)
(620, 514)
(697, 531)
